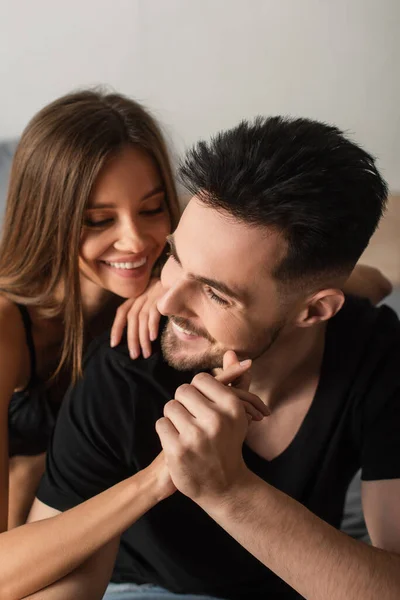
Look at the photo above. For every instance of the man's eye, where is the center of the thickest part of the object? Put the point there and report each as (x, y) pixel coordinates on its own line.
(215, 298)
(102, 223)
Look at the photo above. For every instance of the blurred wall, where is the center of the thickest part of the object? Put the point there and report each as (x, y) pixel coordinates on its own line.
(201, 65)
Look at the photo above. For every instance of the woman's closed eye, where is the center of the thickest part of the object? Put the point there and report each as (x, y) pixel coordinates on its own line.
(153, 211)
(97, 223)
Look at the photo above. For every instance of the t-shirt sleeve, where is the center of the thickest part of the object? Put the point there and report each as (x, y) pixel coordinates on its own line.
(380, 439)
(91, 447)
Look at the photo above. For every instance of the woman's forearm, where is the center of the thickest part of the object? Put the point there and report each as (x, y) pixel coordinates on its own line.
(37, 554)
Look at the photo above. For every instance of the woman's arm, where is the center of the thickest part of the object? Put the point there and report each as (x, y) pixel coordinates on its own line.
(75, 538)
(14, 363)
(368, 282)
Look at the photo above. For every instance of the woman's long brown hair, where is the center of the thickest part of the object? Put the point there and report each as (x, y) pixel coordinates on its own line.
(56, 164)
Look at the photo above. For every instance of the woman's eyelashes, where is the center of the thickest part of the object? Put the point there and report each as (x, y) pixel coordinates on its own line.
(153, 211)
(103, 222)
(100, 223)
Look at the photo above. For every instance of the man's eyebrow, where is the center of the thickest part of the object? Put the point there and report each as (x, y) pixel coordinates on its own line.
(217, 285)
(172, 248)
(154, 192)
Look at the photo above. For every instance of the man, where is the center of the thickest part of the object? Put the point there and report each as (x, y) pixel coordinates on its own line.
(281, 211)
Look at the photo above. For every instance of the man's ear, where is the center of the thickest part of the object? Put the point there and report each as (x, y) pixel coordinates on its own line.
(320, 307)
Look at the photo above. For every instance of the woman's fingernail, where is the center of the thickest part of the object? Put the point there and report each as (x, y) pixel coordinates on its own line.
(133, 354)
(112, 341)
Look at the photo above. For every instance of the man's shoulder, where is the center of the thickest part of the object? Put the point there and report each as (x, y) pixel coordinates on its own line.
(100, 349)
(113, 367)
(361, 318)
(363, 345)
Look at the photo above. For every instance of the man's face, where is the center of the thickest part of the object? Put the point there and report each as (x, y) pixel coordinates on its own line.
(220, 294)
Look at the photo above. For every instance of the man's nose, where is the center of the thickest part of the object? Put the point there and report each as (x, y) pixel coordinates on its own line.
(175, 300)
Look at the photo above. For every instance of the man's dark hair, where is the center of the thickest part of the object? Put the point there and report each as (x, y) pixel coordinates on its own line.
(322, 191)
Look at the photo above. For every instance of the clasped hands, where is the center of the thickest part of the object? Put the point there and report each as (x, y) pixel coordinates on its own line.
(203, 430)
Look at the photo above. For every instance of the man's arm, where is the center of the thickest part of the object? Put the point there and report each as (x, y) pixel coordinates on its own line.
(203, 440)
(311, 556)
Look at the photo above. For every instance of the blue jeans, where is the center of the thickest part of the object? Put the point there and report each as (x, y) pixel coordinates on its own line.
(131, 591)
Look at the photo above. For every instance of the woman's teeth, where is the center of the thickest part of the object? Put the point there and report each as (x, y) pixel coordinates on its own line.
(127, 265)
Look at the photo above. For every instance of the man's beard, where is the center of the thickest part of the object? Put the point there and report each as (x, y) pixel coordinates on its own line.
(174, 349)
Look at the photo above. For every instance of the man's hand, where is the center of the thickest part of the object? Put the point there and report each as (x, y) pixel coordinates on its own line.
(203, 430)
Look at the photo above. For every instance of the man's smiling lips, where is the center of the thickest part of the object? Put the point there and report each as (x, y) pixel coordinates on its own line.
(184, 334)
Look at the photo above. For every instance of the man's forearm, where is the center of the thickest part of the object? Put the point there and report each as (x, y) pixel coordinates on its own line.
(310, 555)
(40, 553)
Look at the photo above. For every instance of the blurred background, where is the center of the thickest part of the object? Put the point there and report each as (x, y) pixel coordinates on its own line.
(203, 65)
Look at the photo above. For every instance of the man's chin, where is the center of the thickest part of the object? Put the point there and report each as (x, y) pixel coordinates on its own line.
(179, 356)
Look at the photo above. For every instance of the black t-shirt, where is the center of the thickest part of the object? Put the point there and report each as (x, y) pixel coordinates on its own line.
(105, 433)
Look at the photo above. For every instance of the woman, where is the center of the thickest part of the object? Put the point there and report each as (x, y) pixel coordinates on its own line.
(91, 200)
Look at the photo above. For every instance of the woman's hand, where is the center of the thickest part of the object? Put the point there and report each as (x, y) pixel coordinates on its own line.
(142, 319)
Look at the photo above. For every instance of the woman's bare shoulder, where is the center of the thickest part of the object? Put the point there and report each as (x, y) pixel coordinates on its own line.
(12, 331)
(10, 315)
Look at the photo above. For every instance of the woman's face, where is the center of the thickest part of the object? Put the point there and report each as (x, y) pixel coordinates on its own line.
(125, 224)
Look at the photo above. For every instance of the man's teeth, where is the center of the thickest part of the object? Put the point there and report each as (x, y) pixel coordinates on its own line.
(183, 330)
(127, 265)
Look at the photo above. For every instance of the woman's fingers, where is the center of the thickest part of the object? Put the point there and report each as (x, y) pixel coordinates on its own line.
(133, 328)
(119, 323)
(154, 323)
(144, 333)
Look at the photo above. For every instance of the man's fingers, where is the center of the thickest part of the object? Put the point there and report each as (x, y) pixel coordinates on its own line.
(179, 416)
(253, 400)
(232, 373)
(195, 402)
(252, 412)
(230, 359)
(212, 389)
(167, 433)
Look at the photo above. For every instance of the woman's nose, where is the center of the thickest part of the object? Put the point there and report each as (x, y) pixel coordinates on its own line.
(130, 239)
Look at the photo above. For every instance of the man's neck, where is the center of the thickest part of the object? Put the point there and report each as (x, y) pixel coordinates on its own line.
(289, 365)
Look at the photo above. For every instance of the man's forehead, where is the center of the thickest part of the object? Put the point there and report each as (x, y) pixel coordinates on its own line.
(214, 242)
(201, 220)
